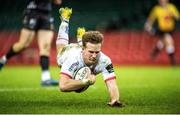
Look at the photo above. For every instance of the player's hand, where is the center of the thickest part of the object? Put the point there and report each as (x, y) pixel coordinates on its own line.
(148, 28)
(116, 103)
(92, 78)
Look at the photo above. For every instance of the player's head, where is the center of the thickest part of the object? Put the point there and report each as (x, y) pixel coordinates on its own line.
(92, 42)
(163, 2)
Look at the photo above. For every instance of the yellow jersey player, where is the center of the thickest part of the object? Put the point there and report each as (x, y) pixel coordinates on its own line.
(165, 14)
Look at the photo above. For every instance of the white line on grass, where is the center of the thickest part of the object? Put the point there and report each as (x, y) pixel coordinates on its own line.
(26, 89)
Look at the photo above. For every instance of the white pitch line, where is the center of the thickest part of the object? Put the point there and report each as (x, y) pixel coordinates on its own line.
(26, 89)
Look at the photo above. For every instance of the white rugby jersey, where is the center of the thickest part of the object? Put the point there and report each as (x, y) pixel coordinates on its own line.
(71, 60)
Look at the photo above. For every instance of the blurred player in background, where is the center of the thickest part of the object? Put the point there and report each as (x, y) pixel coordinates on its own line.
(37, 21)
(165, 14)
(87, 52)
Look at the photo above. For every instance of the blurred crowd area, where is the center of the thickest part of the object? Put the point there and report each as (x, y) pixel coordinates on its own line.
(122, 19)
(93, 14)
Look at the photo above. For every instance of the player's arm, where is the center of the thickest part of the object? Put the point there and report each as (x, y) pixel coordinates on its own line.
(175, 13)
(110, 80)
(68, 84)
(150, 21)
(113, 92)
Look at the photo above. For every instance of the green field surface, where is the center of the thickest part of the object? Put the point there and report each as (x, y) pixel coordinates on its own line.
(145, 90)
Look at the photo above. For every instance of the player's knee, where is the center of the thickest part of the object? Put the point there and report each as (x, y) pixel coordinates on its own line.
(170, 49)
(160, 45)
(19, 46)
(44, 52)
(45, 49)
(25, 46)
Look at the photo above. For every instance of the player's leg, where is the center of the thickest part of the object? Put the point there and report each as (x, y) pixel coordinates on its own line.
(26, 36)
(63, 37)
(169, 45)
(80, 32)
(45, 38)
(157, 48)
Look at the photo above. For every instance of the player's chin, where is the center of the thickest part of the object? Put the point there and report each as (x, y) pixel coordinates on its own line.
(92, 61)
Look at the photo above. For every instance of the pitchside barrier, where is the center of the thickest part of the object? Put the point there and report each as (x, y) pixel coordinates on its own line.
(127, 47)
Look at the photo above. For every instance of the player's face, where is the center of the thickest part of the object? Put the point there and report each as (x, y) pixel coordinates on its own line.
(91, 53)
(163, 2)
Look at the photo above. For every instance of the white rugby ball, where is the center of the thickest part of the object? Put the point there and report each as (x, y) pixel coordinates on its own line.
(81, 74)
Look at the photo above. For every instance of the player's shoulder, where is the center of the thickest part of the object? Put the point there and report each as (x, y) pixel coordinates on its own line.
(104, 58)
(170, 5)
(156, 7)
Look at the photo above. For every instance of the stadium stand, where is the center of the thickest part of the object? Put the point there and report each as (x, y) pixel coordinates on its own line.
(128, 47)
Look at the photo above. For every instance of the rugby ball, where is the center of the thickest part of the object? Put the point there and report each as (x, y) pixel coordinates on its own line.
(81, 74)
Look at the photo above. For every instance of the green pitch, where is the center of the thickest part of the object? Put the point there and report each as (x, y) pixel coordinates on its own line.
(143, 89)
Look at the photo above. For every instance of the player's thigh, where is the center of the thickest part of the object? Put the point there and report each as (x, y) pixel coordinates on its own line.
(168, 40)
(45, 38)
(26, 37)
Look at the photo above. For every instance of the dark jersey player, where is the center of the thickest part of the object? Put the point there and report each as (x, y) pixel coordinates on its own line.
(38, 22)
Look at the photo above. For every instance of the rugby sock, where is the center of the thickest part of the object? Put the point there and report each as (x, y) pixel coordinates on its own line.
(170, 51)
(44, 62)
(155, 52)
(159, 46)
(11, 53)
(63, 37)
(172, 58)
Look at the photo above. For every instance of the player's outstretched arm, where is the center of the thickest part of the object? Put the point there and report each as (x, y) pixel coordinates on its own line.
(148, 26)
(114, 93)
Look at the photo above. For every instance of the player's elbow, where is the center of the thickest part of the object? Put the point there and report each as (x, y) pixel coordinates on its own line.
(62, 88)
(65, 84)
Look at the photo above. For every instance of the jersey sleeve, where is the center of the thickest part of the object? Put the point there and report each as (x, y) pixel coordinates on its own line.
(152, 15)
(108, 71)
(69, 67)
(174, 11)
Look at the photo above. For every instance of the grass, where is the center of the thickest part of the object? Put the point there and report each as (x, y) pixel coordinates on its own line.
(145, 90)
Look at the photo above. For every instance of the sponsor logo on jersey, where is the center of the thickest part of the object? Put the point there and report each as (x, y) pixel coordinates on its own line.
(109, 68)
(73, 66)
